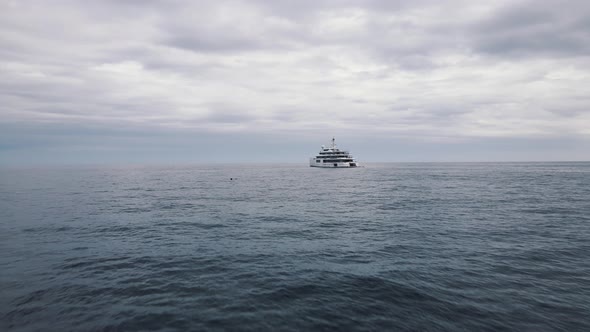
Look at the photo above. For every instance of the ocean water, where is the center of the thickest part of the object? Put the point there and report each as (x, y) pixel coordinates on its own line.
(406, 247)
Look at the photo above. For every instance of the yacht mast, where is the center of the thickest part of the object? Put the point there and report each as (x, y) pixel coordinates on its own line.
(333, 142)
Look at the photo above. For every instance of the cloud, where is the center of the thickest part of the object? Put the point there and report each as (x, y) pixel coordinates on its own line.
(536, 29)
(453, 70)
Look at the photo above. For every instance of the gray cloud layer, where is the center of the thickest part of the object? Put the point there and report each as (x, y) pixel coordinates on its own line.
(440, 71)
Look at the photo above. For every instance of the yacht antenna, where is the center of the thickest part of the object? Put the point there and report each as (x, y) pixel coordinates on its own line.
(333, 142)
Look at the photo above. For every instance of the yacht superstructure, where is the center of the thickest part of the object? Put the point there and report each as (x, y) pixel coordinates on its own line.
(333, 157)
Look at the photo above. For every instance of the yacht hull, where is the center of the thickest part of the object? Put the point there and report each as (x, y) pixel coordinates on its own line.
(313, 163)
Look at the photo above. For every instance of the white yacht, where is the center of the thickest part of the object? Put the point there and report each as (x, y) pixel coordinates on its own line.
(333, 157)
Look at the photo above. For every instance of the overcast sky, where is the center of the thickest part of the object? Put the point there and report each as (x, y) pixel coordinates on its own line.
(205, 81)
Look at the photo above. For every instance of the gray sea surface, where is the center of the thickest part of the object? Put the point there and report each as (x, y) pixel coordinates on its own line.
(396, 246)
